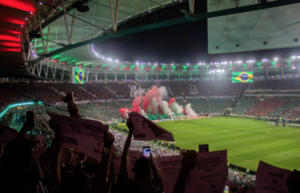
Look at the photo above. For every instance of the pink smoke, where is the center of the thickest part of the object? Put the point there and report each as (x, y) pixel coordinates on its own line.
(123, 112)
(136, 104)
(184, 112)
(149, 96)
(171, 101)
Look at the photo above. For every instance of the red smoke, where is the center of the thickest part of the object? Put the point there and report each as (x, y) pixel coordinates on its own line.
(136, 104)
(148, 97)
(171, 101)
(123, 111)
(183, 112)
(146, 100)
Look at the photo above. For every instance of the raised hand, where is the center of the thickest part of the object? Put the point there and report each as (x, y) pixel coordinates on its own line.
(130, 125)
(109, 139)
(293, 182)
(189, 160)
(73, 109)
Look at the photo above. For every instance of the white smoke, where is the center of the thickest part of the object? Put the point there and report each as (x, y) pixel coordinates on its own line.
(165, 107)
(176, 108)
(126, 114)
(154, 105)
(143, 113)
(163, 92)
(189, 111)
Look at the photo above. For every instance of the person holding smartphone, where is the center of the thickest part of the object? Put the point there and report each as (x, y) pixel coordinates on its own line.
(146, 177)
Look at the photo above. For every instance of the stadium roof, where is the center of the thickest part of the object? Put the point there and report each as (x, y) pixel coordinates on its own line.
(62, 24)
(13, 14)
(59, 28)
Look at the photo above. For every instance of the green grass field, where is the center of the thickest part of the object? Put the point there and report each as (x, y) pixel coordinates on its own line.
(246, 140)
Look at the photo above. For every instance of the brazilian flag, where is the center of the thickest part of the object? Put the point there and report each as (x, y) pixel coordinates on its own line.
(79, 76)
(242, 77)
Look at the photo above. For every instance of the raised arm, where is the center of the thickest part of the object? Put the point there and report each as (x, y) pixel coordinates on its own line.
(156, 179)
(188, 163)
(103, 168)
(52, 154)
(124, 160)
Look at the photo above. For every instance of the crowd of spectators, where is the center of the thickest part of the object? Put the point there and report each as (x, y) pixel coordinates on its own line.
(219, 105)
(291, 84)
(241, 179)
(284, 110)
(266, 106)
(58, 177)
(243, 104)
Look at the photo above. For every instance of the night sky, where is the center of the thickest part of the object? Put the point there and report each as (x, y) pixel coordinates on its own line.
(180, 43)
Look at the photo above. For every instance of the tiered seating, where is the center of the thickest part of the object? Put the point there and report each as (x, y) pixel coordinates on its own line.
(199, 105)
(219, 105)
(283, 110)
(242, 105)
(291, 84)
(266, 106)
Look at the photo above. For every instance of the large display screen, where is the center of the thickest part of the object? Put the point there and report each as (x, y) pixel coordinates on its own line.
(242, 77)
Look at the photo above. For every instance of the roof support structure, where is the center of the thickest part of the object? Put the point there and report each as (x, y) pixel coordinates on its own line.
(41, 31)
(72, 26)
(49, 28)
(35, 40)
(54, 71)
(192, 6)
(66, 22)
(114, 16)
(28, 41)
(46, 70)
(171, 22)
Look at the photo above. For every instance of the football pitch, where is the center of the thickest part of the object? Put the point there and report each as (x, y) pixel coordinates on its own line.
(247, 141)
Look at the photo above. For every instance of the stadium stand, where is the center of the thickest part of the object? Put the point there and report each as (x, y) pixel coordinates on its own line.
(277, 84)
(219, 105)
(100, 102)
(242, 105)
(283, 111)
(266, 106)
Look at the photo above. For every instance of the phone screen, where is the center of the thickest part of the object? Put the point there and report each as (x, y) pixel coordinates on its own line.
(30, 119)
(146, 151)
(203, 148)
(226, 190)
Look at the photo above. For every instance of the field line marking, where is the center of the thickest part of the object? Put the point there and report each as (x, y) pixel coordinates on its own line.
(243, 159)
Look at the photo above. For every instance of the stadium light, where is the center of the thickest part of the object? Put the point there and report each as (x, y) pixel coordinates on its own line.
(293, 57)
(275, 59)
(137, 63)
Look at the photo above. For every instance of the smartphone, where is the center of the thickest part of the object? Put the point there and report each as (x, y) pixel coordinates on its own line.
(146, 151)
(203, 148)
(30, 119)
(226, 190)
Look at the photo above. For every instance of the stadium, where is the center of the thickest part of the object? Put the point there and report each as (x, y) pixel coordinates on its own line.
(223, 74)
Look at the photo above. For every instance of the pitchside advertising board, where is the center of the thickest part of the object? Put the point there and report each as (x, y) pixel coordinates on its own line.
(78, 75)
(242, 77)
